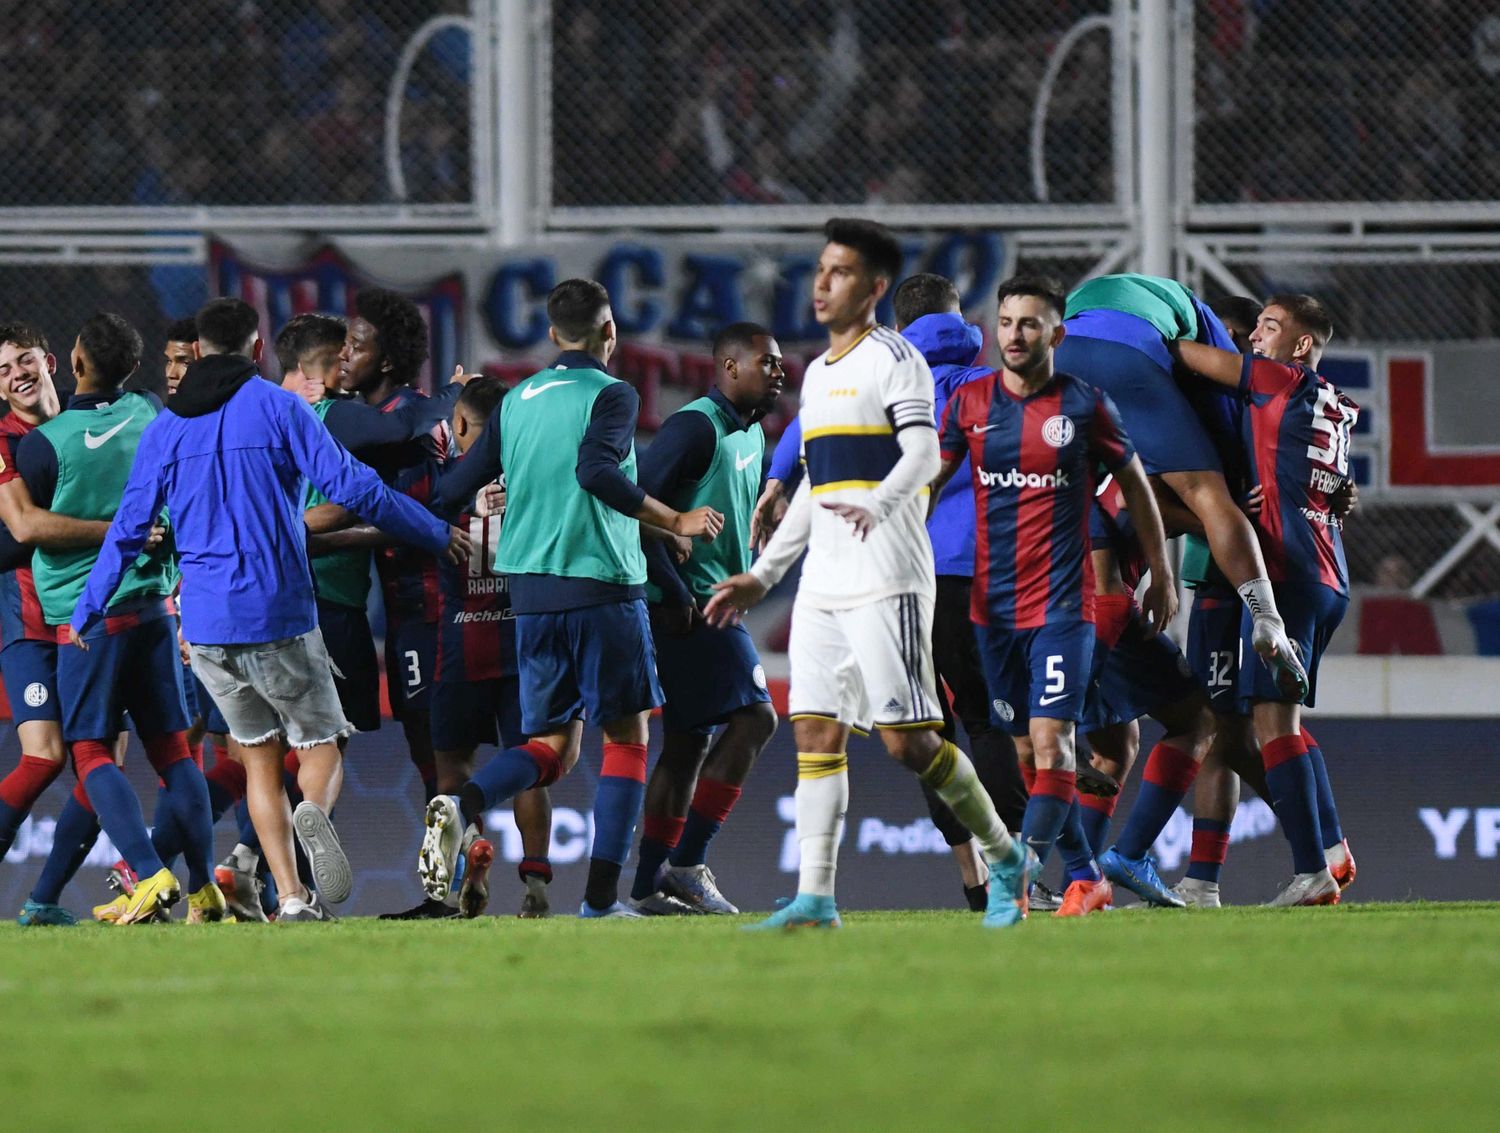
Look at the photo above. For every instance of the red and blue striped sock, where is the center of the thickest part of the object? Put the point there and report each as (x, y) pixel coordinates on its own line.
(660, 833)
(115, 803)
(73, 837)
(1294, 797)
(1210, 848)
(533, 764)
(1096, 813)
(19, 792)
(713, 799)
(226, 785)
(1168, 775)
(1047, 810)
(1328, 813)
(187, 793)
(622, 789)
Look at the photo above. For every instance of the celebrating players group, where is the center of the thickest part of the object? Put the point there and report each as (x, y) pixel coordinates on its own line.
(976, 537)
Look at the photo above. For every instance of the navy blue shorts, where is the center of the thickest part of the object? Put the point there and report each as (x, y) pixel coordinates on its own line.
(1157, 416)
(30, 669)
(137, 670)
(595, 663)
(1213, 649)
(466, 714)
(1311, 612)
(1036, 672)
(708, 675)
(410, 662)
(200, 704)
(1139, 677)
(356, 673)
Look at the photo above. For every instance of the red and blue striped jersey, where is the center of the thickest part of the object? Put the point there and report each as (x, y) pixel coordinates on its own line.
(409, 575)
(1111, 529)
(1034, 463)
(476, 626)
(1297, 433)
(20, 609)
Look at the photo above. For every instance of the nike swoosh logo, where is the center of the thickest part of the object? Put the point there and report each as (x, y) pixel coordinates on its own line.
(94, 442)
(742, 463)
(1046, 700)
(983, 428)
(531, 391)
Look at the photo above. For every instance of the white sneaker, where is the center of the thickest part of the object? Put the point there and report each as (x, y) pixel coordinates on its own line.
(294, 909)
(438, 859)
(320, 842)
(1198, 894)
(1308, 889)
(694, 885)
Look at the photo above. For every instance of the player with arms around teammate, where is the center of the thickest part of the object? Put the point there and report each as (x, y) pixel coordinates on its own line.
(1296, 429)
(571, 546)
(861, 648)
(1034, 438)
(709, 453)
(228, 458)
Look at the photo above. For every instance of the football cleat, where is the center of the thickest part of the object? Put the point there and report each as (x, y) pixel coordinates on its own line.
(1091, 781)
(1308, 889)
(535, 906)
(294, 910)
(36, 913)
(437, 861)
(474, 889)
(1198, 894)
(1084, 897)
(428, 910)
(206, 905)
(320, 842)
(121, 878)
(1341, 864)
(618, 911)
(1281, 655)
(152, 899)
(806, 910)
(1140, 877)
(660, 905)
(1008, 902)
(1043, 899)
(241, 890)
(694, 885)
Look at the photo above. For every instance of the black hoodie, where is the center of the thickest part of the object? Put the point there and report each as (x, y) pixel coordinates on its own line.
(209, 383)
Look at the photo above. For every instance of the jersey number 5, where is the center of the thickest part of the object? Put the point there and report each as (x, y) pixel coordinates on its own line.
(1331, 423)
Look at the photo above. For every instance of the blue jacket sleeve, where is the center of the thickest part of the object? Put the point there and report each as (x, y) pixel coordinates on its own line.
(344, 480)
(787, 458)
(605, 446)
(680, 454)
(455, 485)
(358, 426)
(139, 507)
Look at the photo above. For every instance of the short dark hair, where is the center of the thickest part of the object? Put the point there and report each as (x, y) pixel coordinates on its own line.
(182, 330)
(925, 293)
(227, 325)
(1238, 309)
(736, 337)
(1307, 312)
(24, 335)
(575, 307)
(113, 346)
(1039, 286)
(876, 244)
(399, 329)
(481, 396)
(305, 333)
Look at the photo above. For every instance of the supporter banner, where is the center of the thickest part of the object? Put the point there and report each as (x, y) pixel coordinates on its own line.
(1419, 803)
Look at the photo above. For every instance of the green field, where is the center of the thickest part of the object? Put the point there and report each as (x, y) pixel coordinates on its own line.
(1356, 1018)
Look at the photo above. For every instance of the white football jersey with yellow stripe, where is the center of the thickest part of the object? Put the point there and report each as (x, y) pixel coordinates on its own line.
(853, 403)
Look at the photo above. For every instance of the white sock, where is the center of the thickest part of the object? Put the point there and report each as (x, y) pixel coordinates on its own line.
(245, 859)
(822, 798)
(1260, 599)
(953, 777)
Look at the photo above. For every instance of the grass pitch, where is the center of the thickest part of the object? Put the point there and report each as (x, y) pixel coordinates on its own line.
(1356, 1018)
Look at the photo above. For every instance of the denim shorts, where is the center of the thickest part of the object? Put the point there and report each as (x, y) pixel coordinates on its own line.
(274, 688)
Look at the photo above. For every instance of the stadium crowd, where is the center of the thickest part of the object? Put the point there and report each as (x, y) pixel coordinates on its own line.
(197, 570)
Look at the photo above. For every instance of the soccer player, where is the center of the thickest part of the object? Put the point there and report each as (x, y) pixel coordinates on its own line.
(708, 453)
(861, 648)
(76, 464)
(1117, 332)
(181, 334)
(228, 458)
(565, 438)
(1035, 437)
(1297, 428)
